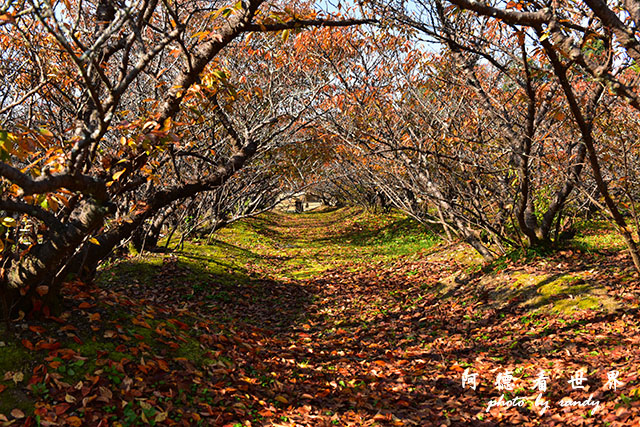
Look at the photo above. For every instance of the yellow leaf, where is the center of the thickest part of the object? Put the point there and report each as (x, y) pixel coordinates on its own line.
(118, 174)
(161, 416)
(285, 35)
(94, 241)
(280, 398)
(18, 377)
(5, 17)
(9, 222)
(69, 399)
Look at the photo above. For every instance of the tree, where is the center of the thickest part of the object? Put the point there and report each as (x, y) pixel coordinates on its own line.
(527, 85)
(113, 112)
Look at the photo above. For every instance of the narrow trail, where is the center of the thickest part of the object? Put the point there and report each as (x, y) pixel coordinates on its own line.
(356, 356)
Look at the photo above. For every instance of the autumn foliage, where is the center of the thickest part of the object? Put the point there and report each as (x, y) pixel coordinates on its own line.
(140, 126)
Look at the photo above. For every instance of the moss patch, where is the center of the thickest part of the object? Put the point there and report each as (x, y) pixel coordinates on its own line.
(567, 293)
(15, 358)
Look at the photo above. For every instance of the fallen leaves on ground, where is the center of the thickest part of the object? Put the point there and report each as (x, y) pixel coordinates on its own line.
(368, 339)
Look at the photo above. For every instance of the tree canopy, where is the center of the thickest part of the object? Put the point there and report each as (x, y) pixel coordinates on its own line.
(498, 124)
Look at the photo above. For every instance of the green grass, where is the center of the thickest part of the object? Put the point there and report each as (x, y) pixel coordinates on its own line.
(598, 236)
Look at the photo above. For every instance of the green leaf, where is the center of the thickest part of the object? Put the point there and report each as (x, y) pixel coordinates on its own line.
(6, 144)
(45, 132)
(220, 74)
(224, 11)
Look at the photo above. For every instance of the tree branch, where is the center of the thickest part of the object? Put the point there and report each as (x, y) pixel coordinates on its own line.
(302, 23)
(32, 210)
(43, 184)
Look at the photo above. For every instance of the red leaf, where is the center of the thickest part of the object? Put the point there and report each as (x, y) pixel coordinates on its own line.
(41, 345)
(61, 408)
(37, 329)
(179, 324)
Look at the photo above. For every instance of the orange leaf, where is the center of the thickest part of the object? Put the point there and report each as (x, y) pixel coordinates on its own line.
(42, 290)
(74, 421)
(2, 388)
(37, 329)
(5, 17)
(381, 417)
(41, 345)
(163, 365)
(28, 344)
(456, 368)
